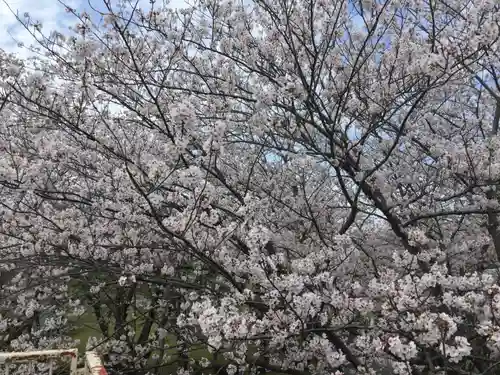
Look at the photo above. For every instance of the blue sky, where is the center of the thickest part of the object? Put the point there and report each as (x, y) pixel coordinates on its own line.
(50, 13)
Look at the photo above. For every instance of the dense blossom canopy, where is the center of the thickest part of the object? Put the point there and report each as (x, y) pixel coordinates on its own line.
(296, 186)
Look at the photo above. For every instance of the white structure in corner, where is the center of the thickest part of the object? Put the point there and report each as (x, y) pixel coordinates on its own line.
(93, 364)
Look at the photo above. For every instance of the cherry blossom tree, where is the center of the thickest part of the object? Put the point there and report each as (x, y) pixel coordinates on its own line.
(295, 186)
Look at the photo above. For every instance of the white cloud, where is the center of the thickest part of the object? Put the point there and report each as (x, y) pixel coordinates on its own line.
(50, 13)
